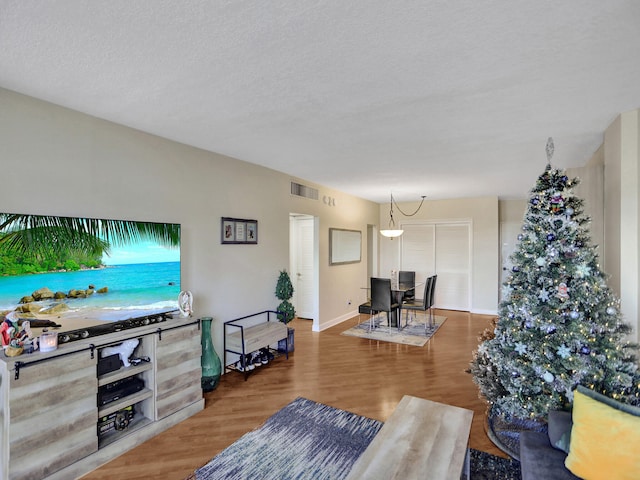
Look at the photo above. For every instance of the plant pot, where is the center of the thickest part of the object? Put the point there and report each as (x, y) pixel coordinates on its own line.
(282, 345)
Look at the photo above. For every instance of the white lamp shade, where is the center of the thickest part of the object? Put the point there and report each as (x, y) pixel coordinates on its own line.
(391, 233)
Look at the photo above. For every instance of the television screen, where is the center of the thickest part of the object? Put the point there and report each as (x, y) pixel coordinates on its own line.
(83, 272)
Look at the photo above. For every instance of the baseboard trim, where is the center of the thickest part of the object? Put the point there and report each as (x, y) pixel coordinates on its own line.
(336, 321)
(485, 312)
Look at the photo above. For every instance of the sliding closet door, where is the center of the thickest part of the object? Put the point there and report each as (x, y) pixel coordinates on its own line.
(452, 267)
(442, 249)
(418, 252)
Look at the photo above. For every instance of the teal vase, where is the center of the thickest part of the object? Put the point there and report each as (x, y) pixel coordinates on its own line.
(211, 367)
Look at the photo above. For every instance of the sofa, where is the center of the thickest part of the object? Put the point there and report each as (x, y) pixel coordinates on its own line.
(539, 458)
(598, 440)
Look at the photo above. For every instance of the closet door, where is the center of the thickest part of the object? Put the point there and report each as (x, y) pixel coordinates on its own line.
(453, 267)
(442, 249)
(418, 252)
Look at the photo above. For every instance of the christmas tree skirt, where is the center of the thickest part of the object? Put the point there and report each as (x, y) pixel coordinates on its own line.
(504, 431)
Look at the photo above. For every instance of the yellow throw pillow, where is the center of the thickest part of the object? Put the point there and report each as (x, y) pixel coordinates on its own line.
(605, 440)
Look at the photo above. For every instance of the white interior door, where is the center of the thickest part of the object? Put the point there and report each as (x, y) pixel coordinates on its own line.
(302, 273)
(509, 232)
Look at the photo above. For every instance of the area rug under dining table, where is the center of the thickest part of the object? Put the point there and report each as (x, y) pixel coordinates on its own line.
(307, 440)
(414, 333)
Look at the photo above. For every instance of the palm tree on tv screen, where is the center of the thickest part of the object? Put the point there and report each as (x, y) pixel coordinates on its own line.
(40, 234)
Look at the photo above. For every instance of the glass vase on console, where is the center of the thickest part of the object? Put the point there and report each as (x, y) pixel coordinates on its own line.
(211, 366)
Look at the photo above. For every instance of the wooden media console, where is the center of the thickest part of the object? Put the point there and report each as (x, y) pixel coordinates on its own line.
(53, 423)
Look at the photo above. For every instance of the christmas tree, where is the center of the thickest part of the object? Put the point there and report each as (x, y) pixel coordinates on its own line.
(559, 324)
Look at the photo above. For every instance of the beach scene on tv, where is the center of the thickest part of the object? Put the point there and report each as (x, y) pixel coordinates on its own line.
(81, 271)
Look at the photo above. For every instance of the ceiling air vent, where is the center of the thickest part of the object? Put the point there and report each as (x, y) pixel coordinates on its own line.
(304, 191)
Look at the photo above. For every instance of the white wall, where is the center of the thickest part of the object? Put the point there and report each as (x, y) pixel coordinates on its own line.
(485, 268)
(622, 219)
(591, 190)
(513, 210)
(60, 162)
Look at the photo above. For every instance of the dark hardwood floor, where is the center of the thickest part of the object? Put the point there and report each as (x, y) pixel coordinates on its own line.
(362, 376)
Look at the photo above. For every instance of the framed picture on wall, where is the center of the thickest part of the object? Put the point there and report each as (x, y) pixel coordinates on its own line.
(228, 231)
(241, 233)
(252, 231)
(238, 231)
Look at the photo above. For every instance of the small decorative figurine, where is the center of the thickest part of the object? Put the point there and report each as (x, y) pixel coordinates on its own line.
(185, 303)
(125, 349)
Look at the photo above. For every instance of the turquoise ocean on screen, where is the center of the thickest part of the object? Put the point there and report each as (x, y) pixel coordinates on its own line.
(130, 286)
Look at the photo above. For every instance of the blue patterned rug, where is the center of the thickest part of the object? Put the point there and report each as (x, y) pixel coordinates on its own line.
(310, 441)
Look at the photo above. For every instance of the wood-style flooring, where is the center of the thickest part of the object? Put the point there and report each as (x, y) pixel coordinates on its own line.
(362, 376)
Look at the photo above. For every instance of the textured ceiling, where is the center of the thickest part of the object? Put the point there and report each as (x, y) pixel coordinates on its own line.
(437, 98)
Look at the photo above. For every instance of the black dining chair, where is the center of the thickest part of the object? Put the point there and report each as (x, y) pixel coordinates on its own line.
(364, 309)
(432, 296)
(407, 279)
(425, 304)
(382, 301)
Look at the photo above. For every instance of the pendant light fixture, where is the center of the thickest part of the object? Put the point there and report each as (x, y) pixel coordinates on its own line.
(393, 231)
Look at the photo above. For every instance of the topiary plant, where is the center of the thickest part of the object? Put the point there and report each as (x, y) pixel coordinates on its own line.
(284, 291)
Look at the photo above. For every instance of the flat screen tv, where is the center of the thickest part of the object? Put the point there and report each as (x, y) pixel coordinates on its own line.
(82, 272)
